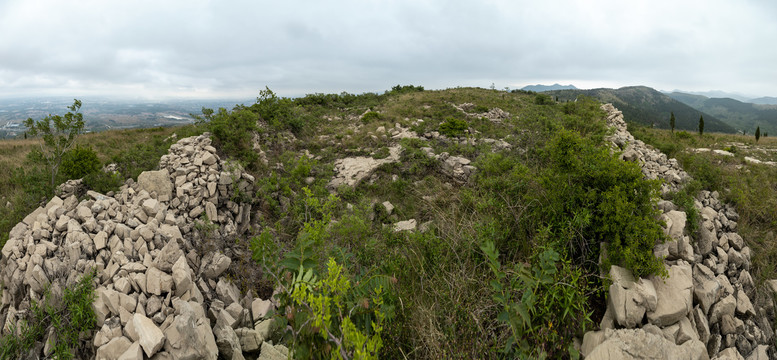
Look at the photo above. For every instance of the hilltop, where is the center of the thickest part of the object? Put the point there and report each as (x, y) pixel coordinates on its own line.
(644, 105)
(745, 117)
(464, 222)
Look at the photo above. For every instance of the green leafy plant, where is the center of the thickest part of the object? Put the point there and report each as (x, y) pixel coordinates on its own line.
(453, 127)
(326, 320)
(543, 307)
(59, 135)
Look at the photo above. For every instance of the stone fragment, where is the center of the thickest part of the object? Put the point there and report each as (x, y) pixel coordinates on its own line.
(113, 349)
(158, 282)
(189, 336)
(216, 266)
(260, 308)
(639, 344)
(182, 276)
(150, 336)
(167, 257)
(134, 352)
(406, 225)
(725, 306)
(706, 286)
(249, 339)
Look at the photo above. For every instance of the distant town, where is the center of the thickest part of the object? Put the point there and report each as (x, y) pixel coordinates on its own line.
(105, 114)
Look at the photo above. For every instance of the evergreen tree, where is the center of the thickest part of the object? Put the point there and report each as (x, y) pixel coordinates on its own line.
(757, 134)
(671, 121)
(701, 125)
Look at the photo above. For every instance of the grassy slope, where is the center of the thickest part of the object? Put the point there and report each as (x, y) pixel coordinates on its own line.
(441, 305)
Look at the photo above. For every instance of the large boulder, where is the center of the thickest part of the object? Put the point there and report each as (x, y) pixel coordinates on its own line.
(706, 286)
(640, 344)
(190, 335)
(156, 182)
(675, 297)
(630, 299)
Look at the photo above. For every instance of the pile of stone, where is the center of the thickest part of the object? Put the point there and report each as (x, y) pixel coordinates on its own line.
(493, 114)
(457, 167)
(158, 296)
(655, 164)
(704, 308)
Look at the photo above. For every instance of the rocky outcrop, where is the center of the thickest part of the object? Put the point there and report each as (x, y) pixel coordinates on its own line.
(350, 171)
(706, 302)
(159, 292)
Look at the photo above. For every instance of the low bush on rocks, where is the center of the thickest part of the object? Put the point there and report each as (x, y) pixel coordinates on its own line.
(59, 319)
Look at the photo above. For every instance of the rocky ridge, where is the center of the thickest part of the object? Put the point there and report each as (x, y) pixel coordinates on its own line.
(708, 307)
(159, 293)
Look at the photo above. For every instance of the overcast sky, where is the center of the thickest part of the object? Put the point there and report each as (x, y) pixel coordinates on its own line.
(206, 49)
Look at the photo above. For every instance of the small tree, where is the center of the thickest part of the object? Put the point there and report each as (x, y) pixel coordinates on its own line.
(757, 134)
(701, 125)
(671, 121)
(59, 134)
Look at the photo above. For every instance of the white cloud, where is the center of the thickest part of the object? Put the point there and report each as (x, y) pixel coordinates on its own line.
(180, 48)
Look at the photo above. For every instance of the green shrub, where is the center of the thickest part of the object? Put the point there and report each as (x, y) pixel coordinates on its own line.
(453, 127)
(684, 135)
(327, 317)
(591, 197)
(103, 182)
(278, 112)
(79, 162)
(543, 99)
(371, 116)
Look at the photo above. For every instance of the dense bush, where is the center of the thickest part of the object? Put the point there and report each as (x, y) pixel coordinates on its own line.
(543, 99)
(370, 117)
(79, 162)
(453, 127)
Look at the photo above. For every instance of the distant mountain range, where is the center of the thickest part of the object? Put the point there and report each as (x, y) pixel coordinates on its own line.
(742, 116)
(644, 105)
(541, 88)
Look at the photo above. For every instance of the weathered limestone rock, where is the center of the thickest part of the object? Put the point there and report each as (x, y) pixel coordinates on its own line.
(113, 349)
(675, 298)
(706, 286)
(150, 336)
(350, 171)
(406, 225)
(156, 182)
(725, 306)
(190, 335)
(639, 344)
(629, 299)
(133, 352)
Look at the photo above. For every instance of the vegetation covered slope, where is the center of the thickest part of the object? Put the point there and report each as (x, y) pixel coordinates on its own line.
(647, 106)
(744, 117)
(506, 263)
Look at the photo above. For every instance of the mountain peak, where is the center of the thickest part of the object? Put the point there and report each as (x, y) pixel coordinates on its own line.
(541, 88)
